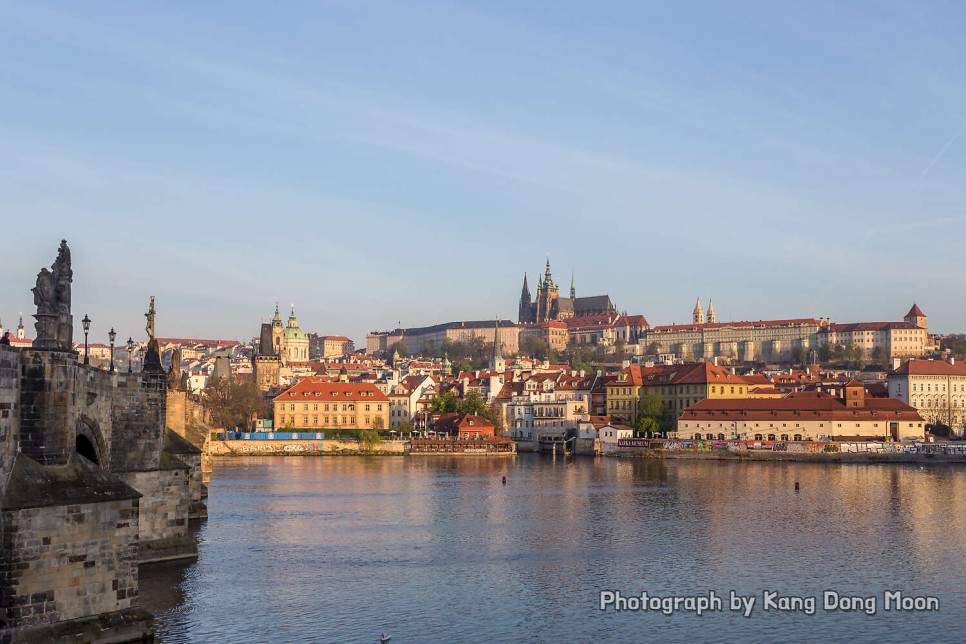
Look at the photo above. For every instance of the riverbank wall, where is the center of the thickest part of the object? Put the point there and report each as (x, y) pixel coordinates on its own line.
(807, 451)
(303, 447)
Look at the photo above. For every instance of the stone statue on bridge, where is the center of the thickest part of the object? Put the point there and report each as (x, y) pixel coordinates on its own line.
(152, 357)
(55, 325)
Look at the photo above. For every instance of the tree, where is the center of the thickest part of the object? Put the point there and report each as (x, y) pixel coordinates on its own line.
(650, 418)
(880, 357)
(653, 348)
(472, 403)
(648, 425)
(651, 405)
(620, 347)
(797, 356)
(377, 423)
(370, 440)
(495, 415)
(534, 346)
(233, 406)
(444, 403)
(400, 348)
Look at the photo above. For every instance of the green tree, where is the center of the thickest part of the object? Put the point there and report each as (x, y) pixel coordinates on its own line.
(653, 348)
(651, 405)
(880, 357)
(400, 348)
(495, 415)
(797, 356)
(648, 425)
(444, 403)
(377, 424)
(370, 440)
(472, 403)
(534, 346)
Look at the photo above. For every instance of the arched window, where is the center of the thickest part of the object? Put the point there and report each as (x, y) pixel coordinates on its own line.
(86, 449)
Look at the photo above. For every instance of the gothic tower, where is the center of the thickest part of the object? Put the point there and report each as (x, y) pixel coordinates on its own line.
(525, 313)
(712, 318)
(697, 316)
(547, 293)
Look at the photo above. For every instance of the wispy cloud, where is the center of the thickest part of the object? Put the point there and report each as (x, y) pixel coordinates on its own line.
(926, 170)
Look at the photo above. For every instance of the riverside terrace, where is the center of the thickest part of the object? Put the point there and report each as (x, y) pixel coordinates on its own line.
(91, 485)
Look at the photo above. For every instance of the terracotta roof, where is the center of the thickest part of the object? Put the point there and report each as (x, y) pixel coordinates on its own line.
(931, 368)
(801, 405)
(335, 338)
(915, 311)
(306, 389)
(869, 326)
(221, 344)
(455, 422)
(722, 325)
(757, 379)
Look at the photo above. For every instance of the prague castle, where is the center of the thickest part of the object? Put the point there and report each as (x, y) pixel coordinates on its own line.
(549, 306)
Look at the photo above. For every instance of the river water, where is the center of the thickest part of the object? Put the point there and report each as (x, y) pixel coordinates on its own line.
(438, 549)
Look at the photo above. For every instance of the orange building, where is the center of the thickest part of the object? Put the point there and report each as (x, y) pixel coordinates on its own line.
(316, 403)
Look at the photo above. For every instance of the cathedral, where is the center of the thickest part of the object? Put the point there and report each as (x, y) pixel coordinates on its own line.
(550, 306)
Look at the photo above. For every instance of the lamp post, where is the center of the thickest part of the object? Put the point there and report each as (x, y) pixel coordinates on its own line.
(87, 327)
(130, 350)
(112, 334)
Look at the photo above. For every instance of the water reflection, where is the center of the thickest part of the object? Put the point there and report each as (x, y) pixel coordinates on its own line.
(436, 548)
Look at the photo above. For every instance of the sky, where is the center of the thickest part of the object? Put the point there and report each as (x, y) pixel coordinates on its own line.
(381, 163)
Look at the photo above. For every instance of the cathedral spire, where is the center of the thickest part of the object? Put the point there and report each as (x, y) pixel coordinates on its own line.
(278, 317)
(573, 291)
(712, 318)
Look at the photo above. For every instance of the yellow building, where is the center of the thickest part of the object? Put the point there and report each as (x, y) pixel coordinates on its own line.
(315, 404)
(676, 386)
(802, 415)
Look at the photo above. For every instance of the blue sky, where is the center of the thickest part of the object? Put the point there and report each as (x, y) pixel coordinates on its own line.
(384, 162)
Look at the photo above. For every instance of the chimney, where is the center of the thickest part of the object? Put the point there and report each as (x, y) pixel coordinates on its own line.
(952, 360)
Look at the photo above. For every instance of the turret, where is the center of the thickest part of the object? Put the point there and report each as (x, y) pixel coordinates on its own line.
(697, 316)
(20, 333)
(916, 316)
(712, 318)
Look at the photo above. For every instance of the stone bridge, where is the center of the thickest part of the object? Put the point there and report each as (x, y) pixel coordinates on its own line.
(92, 483)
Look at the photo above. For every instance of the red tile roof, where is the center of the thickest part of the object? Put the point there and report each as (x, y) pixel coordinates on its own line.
(802, 405)
(931, 368)
(721, 325)
(307, 388)
(915, 311)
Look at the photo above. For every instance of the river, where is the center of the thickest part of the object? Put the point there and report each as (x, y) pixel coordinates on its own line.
(438, 549)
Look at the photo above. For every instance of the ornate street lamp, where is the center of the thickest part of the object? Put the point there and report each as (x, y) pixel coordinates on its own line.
(87, 327)
(130, 350)
(112, 334)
